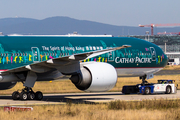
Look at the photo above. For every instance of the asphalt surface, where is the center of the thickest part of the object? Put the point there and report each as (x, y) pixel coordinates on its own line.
(168, 72)
(86, 98)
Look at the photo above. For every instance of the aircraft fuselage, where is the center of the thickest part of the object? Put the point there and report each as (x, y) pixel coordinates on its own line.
(141, 57)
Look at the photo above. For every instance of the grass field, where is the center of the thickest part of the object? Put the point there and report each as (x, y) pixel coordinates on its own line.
(65, 86)
(117, 110)
(172, 67)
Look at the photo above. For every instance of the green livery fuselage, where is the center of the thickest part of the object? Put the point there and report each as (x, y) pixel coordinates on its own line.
(17, 51)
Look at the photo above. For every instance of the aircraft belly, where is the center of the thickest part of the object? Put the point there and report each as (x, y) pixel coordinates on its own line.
(133, 72)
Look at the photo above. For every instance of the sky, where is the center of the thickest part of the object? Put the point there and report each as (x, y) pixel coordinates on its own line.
(114, 12)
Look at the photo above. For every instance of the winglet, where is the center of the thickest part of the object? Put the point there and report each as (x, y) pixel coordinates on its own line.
(126, 46)
(123, 46)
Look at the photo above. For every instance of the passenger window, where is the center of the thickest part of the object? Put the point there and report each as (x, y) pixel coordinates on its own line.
(94, 48)
(87, 48)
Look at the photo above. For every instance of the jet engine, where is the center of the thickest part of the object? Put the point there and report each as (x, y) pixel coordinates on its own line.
(6, 81)
(7, 85)
(95, 77)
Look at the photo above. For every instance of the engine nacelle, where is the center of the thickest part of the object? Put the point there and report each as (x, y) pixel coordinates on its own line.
(6, 81)
(7, 85)
(95, 77)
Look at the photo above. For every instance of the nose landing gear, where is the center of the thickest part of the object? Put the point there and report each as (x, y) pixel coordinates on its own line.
(27, 94)
(143, 80)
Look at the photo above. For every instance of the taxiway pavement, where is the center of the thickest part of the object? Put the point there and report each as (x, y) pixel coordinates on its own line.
(103, 97)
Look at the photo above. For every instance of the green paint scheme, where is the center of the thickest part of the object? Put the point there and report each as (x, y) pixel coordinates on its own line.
(17, 51)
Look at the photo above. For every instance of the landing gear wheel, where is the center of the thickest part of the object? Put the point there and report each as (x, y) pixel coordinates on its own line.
(31, 96)
(39, 95)
(168, 90)
(27, 94)
(15, 95)
(23, 95)
(147, 91)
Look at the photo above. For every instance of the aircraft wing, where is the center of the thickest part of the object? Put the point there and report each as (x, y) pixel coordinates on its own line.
(44, 66)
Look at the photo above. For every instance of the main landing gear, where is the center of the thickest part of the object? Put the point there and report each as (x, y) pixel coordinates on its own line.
(27, 94)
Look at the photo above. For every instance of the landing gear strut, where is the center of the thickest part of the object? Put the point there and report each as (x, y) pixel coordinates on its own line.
(146, 90)
(143, 80)
(27, 94)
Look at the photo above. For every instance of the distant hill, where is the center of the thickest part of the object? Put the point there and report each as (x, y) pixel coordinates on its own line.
(65, 25)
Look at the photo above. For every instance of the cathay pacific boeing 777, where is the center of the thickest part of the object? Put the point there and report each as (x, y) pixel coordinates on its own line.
(93, 62)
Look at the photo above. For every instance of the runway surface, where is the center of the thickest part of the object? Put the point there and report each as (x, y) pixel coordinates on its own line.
(87, 98)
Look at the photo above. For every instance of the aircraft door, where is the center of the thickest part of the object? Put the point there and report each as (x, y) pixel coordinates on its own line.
(111, 56)
(35, 54)
(153, 53)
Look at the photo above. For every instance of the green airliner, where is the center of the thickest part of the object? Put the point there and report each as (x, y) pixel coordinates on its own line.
(93, 62)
